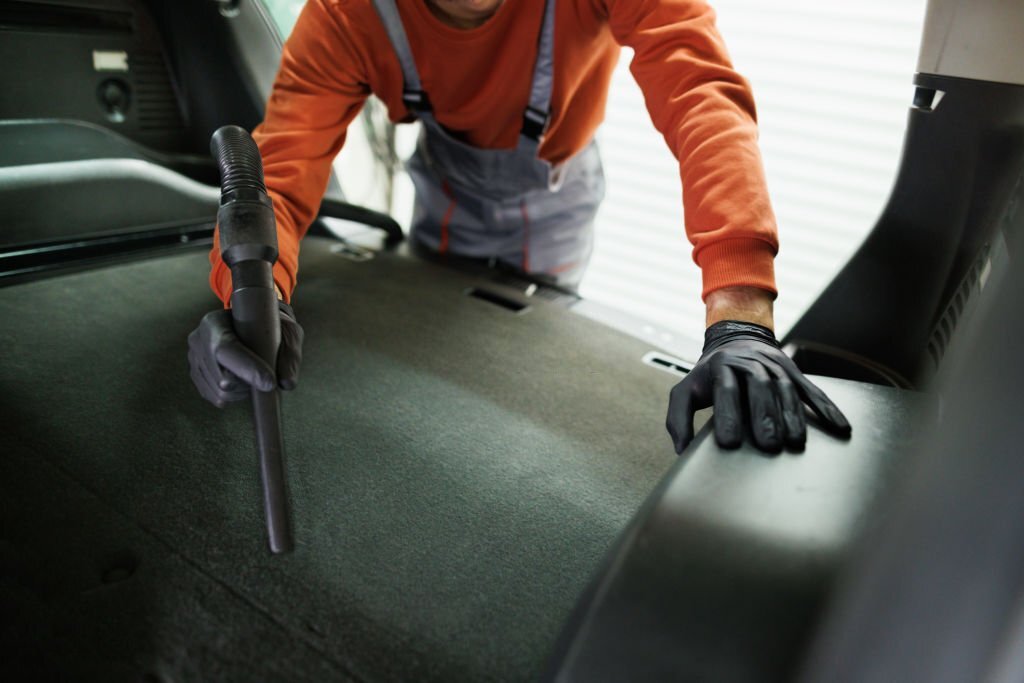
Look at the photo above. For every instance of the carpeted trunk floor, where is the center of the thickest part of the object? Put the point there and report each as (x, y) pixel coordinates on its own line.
(456, 472)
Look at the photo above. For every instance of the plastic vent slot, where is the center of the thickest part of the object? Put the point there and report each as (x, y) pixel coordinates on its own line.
(532, 288)
(498, 300)
(662, 361)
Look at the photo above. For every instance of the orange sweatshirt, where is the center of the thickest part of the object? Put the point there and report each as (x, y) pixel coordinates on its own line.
(478, 81)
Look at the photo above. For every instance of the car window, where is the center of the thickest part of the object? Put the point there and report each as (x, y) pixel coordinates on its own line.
(284, 13)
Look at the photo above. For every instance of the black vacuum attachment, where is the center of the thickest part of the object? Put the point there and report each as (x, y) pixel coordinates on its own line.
(248, 245)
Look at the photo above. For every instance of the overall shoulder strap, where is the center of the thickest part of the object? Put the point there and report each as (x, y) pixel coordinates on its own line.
(412, 90)
(535, 119)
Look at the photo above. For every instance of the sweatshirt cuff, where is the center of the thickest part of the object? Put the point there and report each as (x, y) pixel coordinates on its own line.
(220, 282)
(739, 262)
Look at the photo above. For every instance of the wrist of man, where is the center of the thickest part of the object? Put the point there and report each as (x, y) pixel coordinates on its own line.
(745, 304)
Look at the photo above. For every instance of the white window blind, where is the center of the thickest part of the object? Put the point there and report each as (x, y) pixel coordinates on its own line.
(832, 80)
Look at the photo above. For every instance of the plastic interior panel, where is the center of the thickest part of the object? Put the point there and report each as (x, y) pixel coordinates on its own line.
(457, 473)
(40, 141)
(958, 191)
(934, 594)
(724, 573)
(183, 78)
(224, 64)
(199, 52)
(46, 202)
(979, 40)
(47, 53)
(256, 45)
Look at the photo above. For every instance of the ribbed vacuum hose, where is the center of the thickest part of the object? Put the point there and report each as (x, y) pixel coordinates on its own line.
(241, 166)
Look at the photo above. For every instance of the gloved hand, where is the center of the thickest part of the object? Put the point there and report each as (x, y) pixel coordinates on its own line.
(223, 368)
(743, 361)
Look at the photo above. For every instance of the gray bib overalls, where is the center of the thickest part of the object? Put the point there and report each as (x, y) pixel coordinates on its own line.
(502, 204)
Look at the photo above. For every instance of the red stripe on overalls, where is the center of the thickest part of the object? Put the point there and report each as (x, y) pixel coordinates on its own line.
(443, 247)
(526, 237)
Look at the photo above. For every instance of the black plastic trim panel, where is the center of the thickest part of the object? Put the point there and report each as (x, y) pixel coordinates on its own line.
(48, 17)
(724, 573)
(21, 263)
(957, 192)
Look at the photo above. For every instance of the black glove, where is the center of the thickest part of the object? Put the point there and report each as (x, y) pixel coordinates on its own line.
(744, 360)
(223, 369)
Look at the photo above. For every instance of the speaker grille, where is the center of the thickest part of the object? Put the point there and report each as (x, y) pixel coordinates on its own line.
(154, 95)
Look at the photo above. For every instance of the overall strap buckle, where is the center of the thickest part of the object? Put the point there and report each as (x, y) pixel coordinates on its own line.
(535, 122)
(416, 100)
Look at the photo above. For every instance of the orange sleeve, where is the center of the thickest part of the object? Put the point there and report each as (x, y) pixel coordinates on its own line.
(319, 90)
(705, 111)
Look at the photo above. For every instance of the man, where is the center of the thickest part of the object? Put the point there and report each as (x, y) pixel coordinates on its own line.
(510, 93)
